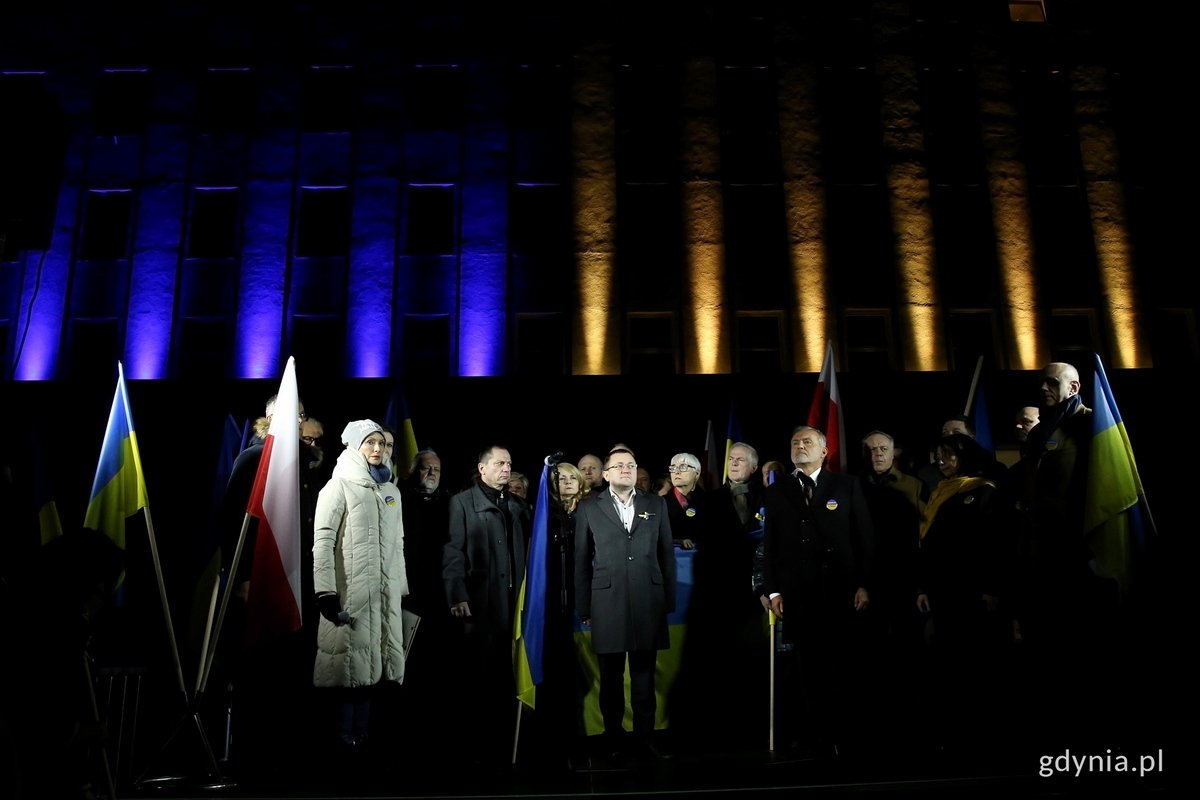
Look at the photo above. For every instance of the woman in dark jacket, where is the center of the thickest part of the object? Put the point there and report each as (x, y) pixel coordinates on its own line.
(959, 573)
(563, 687)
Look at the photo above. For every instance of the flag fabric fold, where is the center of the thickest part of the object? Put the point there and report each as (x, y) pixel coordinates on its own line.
(711, 478)
(1116, 518)
(273, 604)
(119, 490)
(981, 421)
(825, 413)
(398, 418)
(733, 435)
(529, 631)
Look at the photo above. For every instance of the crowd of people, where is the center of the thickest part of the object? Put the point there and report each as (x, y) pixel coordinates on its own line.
(931, 600)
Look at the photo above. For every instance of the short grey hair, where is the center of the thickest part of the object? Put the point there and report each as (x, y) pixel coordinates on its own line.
(750, 451)
(688, 458)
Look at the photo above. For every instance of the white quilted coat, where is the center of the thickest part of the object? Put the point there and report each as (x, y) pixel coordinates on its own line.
(358, 552)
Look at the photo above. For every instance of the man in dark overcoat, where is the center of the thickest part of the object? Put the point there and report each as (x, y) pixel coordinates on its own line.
(624, 590)
(818, 545)
(482, 567)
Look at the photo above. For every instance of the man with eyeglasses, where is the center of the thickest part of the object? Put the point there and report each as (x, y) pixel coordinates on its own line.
(818, 543)
(624, 590)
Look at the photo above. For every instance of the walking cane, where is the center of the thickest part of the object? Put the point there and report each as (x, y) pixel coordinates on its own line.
(771, 716)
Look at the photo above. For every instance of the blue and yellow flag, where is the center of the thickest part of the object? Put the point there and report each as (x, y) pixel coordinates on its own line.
(119, 490)
(1116, 518)
(398, 419)
(49, 524)
(530, 629)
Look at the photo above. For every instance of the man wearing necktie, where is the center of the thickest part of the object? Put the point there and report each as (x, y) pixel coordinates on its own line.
(624, 590)
(818, 544)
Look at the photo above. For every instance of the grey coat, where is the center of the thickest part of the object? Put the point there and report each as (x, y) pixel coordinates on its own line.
(625, 582)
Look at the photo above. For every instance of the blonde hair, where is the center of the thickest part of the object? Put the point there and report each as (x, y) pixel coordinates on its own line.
(572, 502)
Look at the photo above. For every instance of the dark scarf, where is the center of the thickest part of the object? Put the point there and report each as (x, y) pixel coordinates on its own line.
(1051, 418)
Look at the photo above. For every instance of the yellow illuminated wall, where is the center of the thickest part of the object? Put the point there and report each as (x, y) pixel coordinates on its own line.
(908, 193)
(597, 343)
(804, 201)
(1008, 188)
(706, 343)
(1106, 203)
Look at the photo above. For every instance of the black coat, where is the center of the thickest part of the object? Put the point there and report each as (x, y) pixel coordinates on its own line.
(483, 562)
(817, 555)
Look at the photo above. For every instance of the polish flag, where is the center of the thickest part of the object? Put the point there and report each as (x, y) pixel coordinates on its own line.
(273, 605)
(825, 414)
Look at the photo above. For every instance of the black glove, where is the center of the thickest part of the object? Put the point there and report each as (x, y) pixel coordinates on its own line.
(331, 609)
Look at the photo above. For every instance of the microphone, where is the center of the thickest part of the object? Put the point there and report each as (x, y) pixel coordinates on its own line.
(554, 458)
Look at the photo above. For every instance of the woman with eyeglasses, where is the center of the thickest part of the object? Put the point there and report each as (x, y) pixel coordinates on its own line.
(359, 576)
(686, 501)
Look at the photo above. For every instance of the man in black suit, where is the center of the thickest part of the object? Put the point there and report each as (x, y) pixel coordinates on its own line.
(624, 590)
(818, 544)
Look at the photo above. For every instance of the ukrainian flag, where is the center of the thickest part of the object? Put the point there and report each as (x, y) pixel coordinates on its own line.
(529, 632)
(1116, 518)
(667, 664)
(119, 490)
(49, 523)
(398, 419)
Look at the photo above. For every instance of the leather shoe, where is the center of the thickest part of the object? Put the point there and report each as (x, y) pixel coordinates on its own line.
(656, 752)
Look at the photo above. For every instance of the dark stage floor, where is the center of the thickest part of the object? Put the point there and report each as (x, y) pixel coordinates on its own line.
(755, 774)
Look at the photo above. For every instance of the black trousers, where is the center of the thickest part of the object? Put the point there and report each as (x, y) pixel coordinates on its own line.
(641, 690)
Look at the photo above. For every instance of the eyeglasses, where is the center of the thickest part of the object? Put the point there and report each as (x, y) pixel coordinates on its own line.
(310, 439)
(631, 467)
(679, 468)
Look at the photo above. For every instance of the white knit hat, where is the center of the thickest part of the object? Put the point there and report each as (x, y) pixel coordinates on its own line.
(358, 430)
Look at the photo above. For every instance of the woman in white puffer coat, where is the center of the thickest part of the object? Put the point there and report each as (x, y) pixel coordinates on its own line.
(359, 578)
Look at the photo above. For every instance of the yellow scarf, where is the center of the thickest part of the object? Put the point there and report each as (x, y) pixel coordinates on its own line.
(947, 488)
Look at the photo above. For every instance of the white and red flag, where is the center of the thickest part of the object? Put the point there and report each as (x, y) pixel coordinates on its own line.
(825, 414)
(273, 604)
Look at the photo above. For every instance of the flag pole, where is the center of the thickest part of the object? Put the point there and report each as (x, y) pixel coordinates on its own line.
(215, 638)
(162, 593)
(974, 384)
(190, 703)
(208, 621)
(517, 733)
